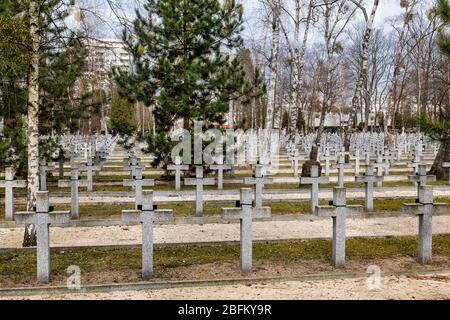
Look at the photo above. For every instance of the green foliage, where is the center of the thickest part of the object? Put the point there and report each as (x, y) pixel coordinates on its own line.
(48, 148)
(61, 108)
(160, 147)
(122, 116)
(13, 152)
(13, 67)
(186, 61)
(436, 130)
(442, 9)
(62, 60)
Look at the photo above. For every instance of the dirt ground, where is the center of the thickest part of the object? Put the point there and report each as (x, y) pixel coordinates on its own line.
(277, 230)
(219, 271)
(415, 287)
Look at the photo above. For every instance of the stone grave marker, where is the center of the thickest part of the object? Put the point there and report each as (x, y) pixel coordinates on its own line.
(147, 215)
(137, 183)
(314, 181)
(177, 167)
(9, 184)
(199, 181)
(338, 211)
(43, 169)
(245, 214)
(424, 209)
(369, 179)
(259, 181)
(42, 218)
(74, 183)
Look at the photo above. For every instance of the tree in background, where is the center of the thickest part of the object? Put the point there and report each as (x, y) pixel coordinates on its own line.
(121, 116)
(13, 98)
(186, 64)
(439, 129)
(41, 60)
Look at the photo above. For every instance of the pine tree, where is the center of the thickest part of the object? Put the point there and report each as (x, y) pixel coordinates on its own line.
(442, 9)
(186, 63)
(121, 116)
(439, 129)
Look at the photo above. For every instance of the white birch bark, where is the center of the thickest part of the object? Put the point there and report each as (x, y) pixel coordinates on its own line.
(364, 59)
(299, 62)
(276, 8)
(33, 118)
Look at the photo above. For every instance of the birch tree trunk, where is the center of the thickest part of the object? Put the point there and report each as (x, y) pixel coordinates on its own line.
(364, 61)
(299, 62)
(33, 120)
(276, 8)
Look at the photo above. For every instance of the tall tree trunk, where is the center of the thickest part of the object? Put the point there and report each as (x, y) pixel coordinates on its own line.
(276, 8)
(33, 120)
(364, 60)
(327, 91)
(299, 63)
(443, 156)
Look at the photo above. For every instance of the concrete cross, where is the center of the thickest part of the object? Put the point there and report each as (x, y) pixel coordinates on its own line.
(133, 163)
(61, 159)
(73, 155)
(147, 215)
(199, 182)
(338, 211)
(259, 182)
(328, 158)
(435, 150)
(388, 161)
(341, 166)
(295, 160)
(396, 154)
(43, 169)
(369, 178)
(99, 161)
(380, 167)
(447, 165)
(415, 161)
(245, 214)
(177, 167)
(220, 168)
(74, 183)
(367, 157)
(9, 184)
(314, 181)
(357, 158)
(421, 178)
(42, 218)
(89, 167)
(425, 208)
(137, 183)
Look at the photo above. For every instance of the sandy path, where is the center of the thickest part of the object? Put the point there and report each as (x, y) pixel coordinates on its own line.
(440, 192)
(279, 230)
(392, 287)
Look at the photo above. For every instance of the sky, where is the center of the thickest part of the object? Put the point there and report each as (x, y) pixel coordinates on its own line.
(387, 9)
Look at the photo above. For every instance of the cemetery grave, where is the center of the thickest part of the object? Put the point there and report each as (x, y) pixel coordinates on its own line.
(183, 227)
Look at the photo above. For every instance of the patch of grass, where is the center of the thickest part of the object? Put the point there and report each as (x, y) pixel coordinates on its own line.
(23, 262)
(187, 209)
